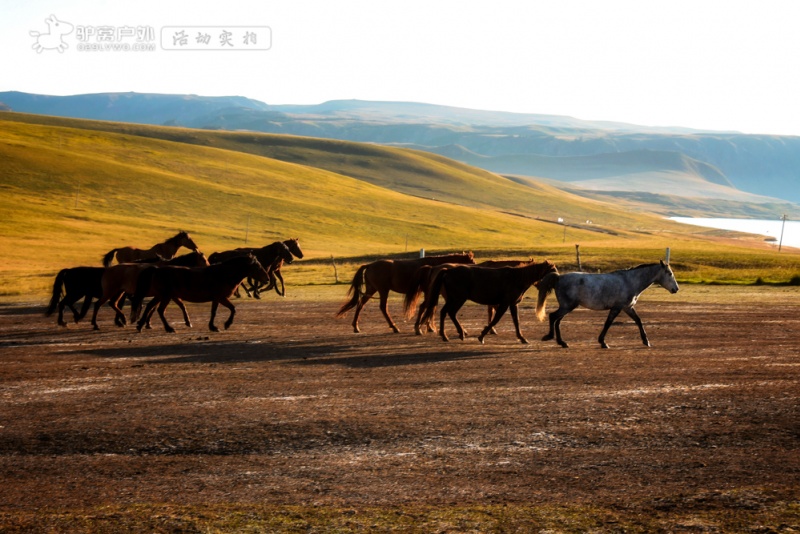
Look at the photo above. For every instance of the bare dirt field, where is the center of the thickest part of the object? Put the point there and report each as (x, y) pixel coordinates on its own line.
(291, 422)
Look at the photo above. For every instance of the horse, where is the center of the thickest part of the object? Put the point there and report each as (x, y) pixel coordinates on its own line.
(75, 283)
(121, 279)
(215, 283)
(165, 250)
(501, 287)
(382, 276)
(616, 291)
(272, 255)
(421, 285)
(294, 247)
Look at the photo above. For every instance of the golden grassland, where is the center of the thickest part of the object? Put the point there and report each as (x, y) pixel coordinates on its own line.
(72, 190)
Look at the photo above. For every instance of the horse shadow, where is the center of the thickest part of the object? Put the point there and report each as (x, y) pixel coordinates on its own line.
(202, 351)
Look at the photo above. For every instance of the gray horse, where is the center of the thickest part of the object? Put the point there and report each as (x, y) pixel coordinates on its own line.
(616, 291)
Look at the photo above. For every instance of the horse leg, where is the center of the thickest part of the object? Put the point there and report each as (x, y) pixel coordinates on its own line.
(68, 300)
(254, 288)
(612, 314)
(515, 318)
(228, 304)
(442, 315)
(182, 306)
(147, 314)
(555, 325)
(633, 315)
(497, 315)
(491, 314)
(119, 320)
(359, 306)
(100, 302)
(161, 307)
(87, 302)
(211, 325)
(384, 305)
(452, 310)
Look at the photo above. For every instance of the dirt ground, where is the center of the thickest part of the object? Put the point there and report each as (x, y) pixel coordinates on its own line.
(290, 407)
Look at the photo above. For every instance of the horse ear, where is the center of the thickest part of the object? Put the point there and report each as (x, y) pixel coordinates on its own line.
(663, 264)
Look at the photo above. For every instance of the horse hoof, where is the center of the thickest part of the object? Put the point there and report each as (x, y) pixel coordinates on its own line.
(564, 345)
(170, 330)
(480, 339)
(547, 337)
(523, 340)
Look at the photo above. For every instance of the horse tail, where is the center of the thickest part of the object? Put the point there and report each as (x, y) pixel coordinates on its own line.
(433, 297)
(56, 293)
(418, 279)
(546, 285)
(355, 290)
(109, 257)
(143, 282)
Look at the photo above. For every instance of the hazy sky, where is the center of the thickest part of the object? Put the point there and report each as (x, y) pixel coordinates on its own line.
(722, 65)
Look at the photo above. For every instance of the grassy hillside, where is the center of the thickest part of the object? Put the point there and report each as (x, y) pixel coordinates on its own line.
(72, 190)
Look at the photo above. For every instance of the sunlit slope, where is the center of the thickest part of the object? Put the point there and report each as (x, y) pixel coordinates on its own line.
(412, 172)
(70, 195)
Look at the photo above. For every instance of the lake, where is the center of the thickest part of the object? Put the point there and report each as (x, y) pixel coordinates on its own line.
(767, 228)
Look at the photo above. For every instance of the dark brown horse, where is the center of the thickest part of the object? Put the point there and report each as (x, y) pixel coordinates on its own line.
(383, 276)
(423, 280)
(502, 288)
(271, 256)
(121, 279)
(165, 250)
(215, 283)
(75, 283)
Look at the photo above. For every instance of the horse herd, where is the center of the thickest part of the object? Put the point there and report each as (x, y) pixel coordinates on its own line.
(499, 285)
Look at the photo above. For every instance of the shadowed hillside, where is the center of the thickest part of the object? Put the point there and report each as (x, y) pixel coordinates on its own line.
(512, 143)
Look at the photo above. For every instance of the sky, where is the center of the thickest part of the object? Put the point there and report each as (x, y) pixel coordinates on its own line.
(723, 65)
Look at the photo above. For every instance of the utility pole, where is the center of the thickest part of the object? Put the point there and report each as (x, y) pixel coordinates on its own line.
(780, 242)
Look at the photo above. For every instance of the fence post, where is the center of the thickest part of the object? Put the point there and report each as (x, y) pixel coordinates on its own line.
(335, 272)
(667, 258)
(578, 256)
(422, 253)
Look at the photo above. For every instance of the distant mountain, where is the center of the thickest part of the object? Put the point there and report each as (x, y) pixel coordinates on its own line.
(597, 155)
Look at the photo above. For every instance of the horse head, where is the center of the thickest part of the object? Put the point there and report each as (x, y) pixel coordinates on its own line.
(294, 247)
(185, 240)
(256, 270)
(285, 253)
(666, 278)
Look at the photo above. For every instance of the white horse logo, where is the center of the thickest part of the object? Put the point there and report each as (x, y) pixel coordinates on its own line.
(52, 39)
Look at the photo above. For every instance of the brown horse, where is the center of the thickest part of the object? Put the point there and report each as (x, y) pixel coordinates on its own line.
(421, 286)
(502, 288)
(383, 276)
(273, 255)
(165, 250)
(121, 279)
(215, 283)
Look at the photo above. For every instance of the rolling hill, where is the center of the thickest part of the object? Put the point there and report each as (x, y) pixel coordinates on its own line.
(542, 146)
(74, 189)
